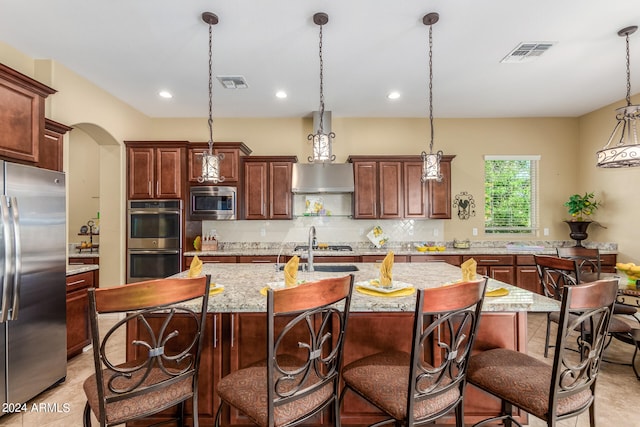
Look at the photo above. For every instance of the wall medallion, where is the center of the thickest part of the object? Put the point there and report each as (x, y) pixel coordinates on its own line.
(465, 204)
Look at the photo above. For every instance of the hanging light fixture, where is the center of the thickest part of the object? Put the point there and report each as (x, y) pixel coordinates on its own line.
(431, 161)
(210, 161)
(321, 141)
(626, 152)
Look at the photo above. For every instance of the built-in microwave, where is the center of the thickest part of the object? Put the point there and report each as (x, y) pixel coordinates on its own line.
(212, 203)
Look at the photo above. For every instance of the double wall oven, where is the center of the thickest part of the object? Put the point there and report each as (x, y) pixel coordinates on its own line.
(154, 243)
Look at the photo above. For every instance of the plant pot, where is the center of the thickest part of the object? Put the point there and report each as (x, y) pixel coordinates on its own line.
(578, 231)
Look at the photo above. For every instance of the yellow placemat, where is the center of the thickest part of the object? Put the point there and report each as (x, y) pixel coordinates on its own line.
(500, 292)
(399, 293)
(216, 290)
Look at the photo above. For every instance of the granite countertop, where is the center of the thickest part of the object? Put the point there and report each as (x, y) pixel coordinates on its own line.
(242, 284)
(80, 268)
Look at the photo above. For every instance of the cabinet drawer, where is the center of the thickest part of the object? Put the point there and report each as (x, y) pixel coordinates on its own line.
(491, 259)
(449, 259)
(525, 260)
(265, 259)
(608, 259)
(379, 258)
(79, 281)
(210, 260)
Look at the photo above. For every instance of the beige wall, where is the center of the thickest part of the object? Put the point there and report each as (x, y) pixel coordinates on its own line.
(567, 147)
(83, 176)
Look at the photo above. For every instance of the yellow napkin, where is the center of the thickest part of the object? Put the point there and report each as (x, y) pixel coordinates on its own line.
(215, 290)
(399, 293)
(500, 292)
(195, 269)
(291, 272)
(386, 278)
(469, 270)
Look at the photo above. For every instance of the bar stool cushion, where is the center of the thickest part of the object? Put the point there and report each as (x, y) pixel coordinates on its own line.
(615, 326)
(142, 405)
(383, 378)
(246, 390)
(521, 379)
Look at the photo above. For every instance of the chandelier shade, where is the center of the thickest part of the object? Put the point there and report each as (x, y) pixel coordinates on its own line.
(431, 161)
(622, 149)
(210, 162)
(321, 140)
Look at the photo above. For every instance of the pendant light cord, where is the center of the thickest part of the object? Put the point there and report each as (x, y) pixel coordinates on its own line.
(321, 84)
(431, 86)
(628, 73)
(210, 121)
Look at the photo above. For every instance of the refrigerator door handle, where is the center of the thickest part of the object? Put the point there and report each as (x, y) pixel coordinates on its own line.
(17, 277)
(8, 252)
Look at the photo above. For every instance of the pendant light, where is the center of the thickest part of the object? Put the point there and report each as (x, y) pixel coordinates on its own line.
(626, 152)
(321, 141)
(210, 161)
(431, 161)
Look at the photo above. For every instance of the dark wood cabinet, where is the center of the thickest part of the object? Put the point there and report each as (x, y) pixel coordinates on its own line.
(155, 170)
(229, 166)
(78, 335)
(380, 258)
(498, 267)
(527, 274)
(51, 146)
(267, 187)
(449, 259)
(389, 187)
(22, 123)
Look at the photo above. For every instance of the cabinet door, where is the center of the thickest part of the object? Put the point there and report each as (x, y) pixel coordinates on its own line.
(228, 165)
(51, 151)
(255, 190)
(141, 172)
(169, 173)
(77, 322)
(280, 190)
(440, 193)
(415, 191)
(366, 190)
(527, 278)
(391, 197)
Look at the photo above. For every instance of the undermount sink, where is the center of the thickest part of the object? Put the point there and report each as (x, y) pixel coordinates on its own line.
(327, 268)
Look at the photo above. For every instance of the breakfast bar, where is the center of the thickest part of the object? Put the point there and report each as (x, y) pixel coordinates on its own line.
(236, 328)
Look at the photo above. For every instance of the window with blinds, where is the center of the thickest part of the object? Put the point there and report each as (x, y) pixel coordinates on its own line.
(511, 194)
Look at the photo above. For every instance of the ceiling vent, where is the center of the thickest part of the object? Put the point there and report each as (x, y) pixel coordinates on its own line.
(526, 52)
(233, 82)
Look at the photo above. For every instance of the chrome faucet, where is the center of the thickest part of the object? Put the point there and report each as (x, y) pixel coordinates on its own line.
(312, 243)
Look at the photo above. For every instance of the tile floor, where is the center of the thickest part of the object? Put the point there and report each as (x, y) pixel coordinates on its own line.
(617, 396)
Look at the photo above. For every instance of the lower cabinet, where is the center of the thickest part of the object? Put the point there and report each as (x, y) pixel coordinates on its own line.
(498, 267)
(78, 335)
(236, 340)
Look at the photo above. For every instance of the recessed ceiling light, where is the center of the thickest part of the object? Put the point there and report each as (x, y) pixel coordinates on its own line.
(165, 94)
(281, 94)
(393, 95)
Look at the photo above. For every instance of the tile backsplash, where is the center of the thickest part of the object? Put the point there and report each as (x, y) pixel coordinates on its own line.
(329, 229)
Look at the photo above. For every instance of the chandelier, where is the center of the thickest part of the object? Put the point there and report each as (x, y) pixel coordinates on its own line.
(321, 141)
(626, 151)
(210, 161)
(431, 161)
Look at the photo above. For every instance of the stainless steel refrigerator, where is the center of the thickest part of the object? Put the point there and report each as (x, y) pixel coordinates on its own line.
(33, 281)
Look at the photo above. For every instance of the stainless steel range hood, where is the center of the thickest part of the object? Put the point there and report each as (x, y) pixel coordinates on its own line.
(322, 178)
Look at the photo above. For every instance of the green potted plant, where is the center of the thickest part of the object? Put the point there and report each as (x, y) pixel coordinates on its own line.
(580, 208)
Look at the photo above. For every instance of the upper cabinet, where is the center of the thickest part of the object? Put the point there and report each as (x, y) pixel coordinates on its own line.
(51, 145)
(267, 187)
(389, 187)
(229, 166)
(21, 115)
(155, 169)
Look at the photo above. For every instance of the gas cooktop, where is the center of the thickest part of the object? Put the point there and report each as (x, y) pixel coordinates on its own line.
(345, 248)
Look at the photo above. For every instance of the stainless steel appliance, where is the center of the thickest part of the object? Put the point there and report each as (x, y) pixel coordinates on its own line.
(33, 354)
(154, 243)
(212, 203)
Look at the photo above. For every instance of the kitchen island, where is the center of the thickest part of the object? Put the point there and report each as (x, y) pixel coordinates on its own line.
(236, 329)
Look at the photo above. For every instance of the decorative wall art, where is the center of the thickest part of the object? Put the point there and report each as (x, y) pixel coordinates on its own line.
(465, 204)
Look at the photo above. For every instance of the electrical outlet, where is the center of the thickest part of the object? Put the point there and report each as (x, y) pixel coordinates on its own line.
(435, 232)
(474, 231)
(545, 231)
(263, 232)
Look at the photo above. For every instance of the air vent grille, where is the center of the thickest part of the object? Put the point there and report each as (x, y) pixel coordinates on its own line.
(233, 82)
(527, 51)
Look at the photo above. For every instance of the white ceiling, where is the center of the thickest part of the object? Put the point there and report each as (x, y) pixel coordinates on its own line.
(134, 48)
